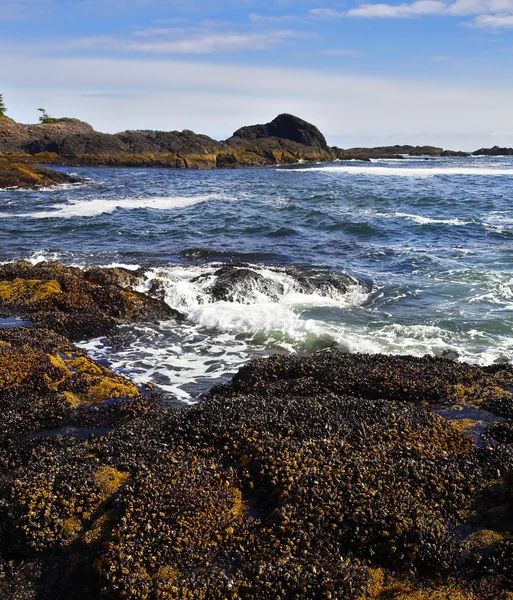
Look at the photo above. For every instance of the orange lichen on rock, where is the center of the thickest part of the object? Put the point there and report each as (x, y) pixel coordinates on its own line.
(109, 480)
(382, 586)
(56, 367)
(77, 303)
(71, 500)
(27, 290)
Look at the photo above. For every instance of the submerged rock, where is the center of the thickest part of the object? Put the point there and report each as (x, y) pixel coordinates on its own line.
(240, 284)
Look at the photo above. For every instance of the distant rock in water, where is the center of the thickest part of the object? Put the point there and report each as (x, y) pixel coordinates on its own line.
(495, 151)
(395, 152)
(14, 174)
(287, 127)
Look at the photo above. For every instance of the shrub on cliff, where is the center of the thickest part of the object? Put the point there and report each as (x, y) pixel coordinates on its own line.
(2, 106)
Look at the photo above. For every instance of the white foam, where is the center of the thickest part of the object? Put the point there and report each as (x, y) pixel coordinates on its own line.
(418, 172)
(420, 219)
(219, 337)
(99, 206)
(186, 289)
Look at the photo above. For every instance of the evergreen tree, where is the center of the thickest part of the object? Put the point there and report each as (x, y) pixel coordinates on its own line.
(2, 107)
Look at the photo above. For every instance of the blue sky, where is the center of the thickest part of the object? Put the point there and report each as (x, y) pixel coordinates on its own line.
(367, 73)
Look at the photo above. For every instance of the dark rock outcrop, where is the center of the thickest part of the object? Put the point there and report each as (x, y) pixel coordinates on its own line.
(286, 139)
(286, 127)
(241, 284)
(396, 152)
(494, 151)
(17, 137)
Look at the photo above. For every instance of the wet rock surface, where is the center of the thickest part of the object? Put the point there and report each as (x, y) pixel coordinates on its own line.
(78, 304)
(326, 476)
(240, 282)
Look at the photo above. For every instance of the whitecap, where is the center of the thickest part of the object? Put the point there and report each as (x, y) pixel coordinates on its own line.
(99, 206)
(415, 172)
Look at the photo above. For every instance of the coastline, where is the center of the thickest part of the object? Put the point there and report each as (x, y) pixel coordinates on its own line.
(285, 140)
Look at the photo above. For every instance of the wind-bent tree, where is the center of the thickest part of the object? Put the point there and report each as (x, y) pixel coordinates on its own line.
(2, 106)
(44, 115)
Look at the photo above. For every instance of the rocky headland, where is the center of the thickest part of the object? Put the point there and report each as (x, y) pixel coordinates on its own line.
(331, 476)
(285, 140)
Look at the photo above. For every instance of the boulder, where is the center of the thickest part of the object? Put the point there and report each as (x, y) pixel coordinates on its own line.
(284, 126)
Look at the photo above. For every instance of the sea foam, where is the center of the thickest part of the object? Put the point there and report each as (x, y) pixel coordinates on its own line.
(415, 172)
(99, 206)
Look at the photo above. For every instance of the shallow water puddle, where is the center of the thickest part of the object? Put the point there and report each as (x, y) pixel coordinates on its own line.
(79, 433)
(14, 322)
(469, 420)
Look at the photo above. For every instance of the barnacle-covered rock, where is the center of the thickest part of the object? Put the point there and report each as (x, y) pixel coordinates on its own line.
(306, 477)
(43, 378)
(79, 304)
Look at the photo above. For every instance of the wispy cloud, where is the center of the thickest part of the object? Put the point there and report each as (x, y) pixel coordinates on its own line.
(257, 18)
(25, 10)
(326, 13)
(333, 52)
(420, 7)
(494, 21)
(439, 113)
(185, 42)
(490, 14)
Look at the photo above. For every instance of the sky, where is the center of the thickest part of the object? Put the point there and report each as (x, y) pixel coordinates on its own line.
(434, 72)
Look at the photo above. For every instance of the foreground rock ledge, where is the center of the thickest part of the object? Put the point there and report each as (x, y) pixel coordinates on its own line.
(328, 476)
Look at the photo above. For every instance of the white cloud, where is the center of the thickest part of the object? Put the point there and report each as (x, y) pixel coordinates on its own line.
(326, 13)
(494, 21)
(257, 18)
(190, 42)
(420, 7)
(333, 52)
(157, 94)
(491, 14)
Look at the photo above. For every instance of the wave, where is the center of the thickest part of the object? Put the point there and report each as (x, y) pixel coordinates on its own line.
(420, 219)
(415, 172)
(99, 206)
(189, 288)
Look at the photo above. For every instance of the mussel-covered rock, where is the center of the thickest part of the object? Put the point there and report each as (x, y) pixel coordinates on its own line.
(79, 304)
(45, 381)
(305, 477)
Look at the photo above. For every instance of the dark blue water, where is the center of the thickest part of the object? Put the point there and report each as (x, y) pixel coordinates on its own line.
(428, 243)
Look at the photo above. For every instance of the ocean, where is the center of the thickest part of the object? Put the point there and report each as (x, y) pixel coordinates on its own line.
(410, 256)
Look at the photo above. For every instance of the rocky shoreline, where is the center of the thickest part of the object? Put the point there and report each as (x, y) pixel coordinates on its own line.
(329, 476)
(285, 140)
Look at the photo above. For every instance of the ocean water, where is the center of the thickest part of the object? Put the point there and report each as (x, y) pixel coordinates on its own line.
(423, 246)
